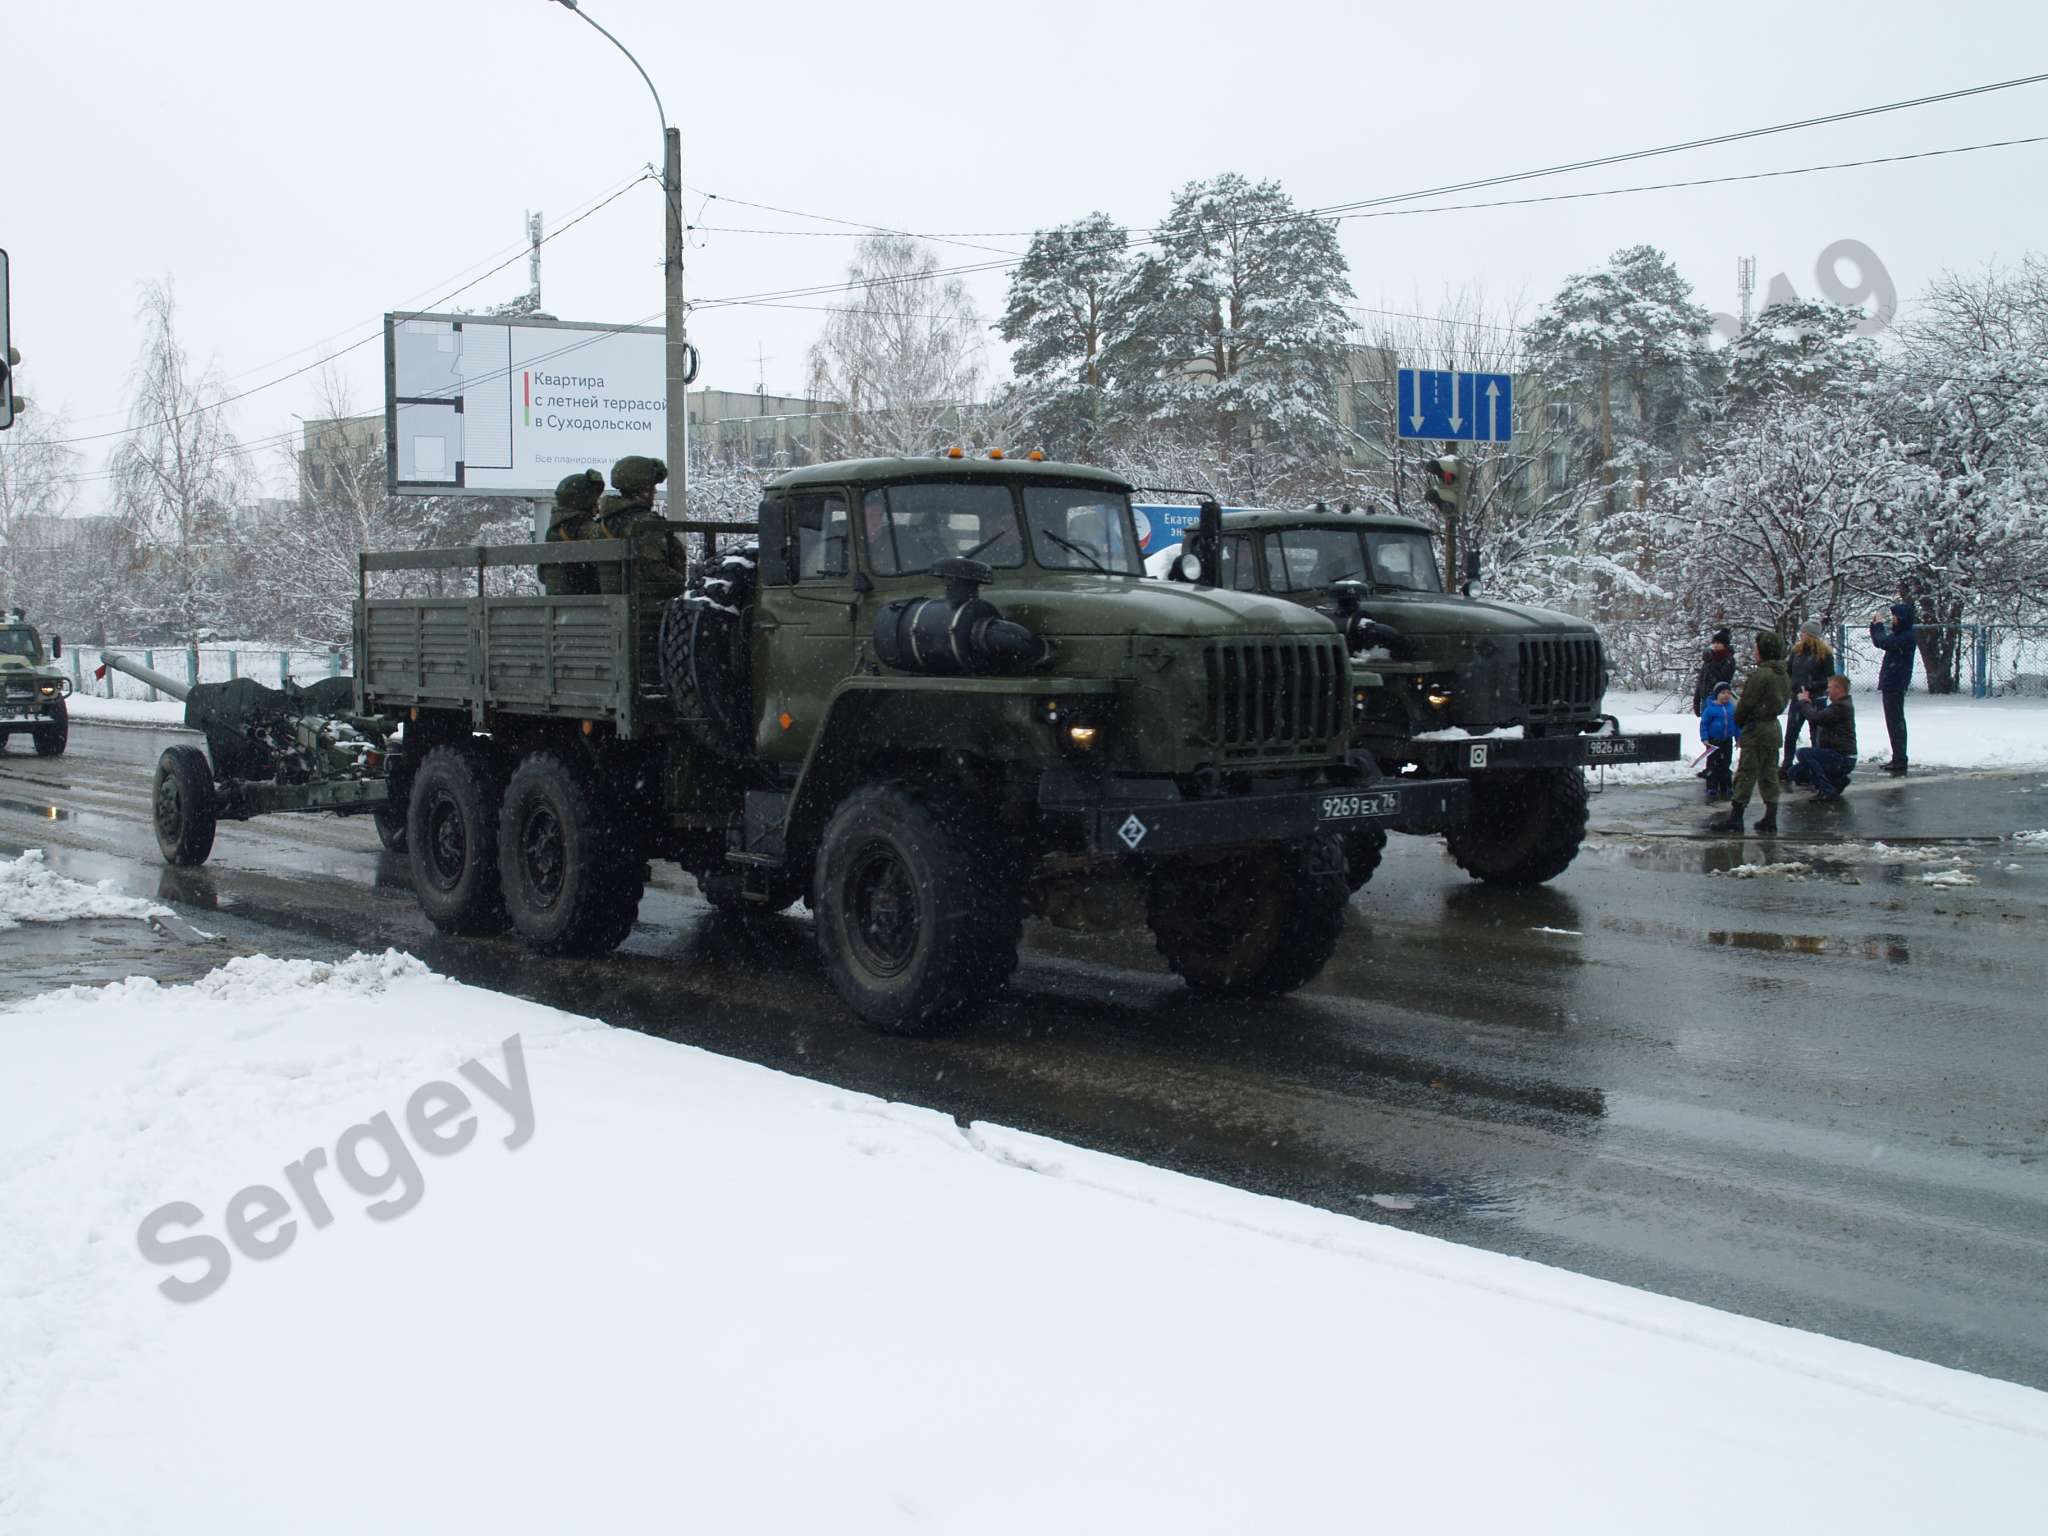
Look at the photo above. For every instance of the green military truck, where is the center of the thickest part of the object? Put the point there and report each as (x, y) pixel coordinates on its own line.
(1507, 697)
(934, 697)
(32, 693)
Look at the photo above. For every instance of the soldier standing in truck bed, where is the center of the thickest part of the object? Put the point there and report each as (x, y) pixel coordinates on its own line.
(576, 499)
(628, 513)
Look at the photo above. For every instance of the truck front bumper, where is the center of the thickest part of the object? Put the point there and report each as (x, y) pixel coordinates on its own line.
(1122, 818)
(1507, 754)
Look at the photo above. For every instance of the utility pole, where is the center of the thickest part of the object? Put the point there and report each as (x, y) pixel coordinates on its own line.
(678, 348)
(533, 238)
(676, 371)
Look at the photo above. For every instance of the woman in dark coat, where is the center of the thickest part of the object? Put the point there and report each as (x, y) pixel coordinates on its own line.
(1810, 665)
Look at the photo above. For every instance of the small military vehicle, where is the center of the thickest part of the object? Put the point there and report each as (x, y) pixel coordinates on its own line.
(928, 697)
(1506, 697)
(32, 692)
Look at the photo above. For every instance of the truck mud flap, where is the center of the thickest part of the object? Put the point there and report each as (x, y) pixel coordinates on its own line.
(1152, 827)
(1498, 754)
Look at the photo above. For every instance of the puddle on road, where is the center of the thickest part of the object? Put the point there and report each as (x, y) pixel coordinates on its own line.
(1775, 943)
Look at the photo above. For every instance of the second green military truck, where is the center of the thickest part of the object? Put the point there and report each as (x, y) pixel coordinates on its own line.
(1506, 697)
(32, 691)
(932, 697)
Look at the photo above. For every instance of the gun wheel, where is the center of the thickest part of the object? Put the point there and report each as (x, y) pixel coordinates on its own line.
(183, 807)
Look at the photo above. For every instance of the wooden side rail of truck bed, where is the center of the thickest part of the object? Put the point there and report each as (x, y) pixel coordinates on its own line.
(554, 655)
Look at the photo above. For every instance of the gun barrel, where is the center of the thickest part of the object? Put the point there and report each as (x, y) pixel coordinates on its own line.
(149, 675)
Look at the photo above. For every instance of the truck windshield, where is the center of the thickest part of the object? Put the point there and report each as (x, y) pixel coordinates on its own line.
(1309, 559)
(1404, 561)
(913, 527)
(1081, 528)
(18, 640)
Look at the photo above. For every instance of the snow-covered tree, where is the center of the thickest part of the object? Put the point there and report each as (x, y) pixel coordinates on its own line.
(38, 483)
(1970, 390)
(1800, 347)
(1785, 518)
(1234, 335)
(177, 477)
(1060, 316)
(904, 352)
(1628, 346)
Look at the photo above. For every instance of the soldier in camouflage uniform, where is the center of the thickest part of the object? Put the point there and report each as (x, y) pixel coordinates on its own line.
(630, 513)
(1765, 694)
(576, 500)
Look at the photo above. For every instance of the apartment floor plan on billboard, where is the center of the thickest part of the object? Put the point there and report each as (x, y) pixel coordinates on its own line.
(484, 406)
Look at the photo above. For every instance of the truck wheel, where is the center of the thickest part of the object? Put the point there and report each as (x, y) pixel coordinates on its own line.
(1523, 828)
(1252, 924)
(1363, 850)
(706, 653)
(390, 820)
(919, 909)
(183, 807)
(53, 736)
(451, 841)
(568, 880)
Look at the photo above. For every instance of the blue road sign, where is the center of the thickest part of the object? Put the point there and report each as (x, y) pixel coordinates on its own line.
(1160, 526)
(1446, 405)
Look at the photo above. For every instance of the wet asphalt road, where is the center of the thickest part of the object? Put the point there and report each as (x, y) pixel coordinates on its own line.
(1818, 1098)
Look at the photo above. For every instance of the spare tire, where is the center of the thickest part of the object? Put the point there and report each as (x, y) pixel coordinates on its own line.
(707, 652)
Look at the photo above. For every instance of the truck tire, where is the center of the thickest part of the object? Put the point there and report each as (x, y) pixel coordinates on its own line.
(919, 909)
(1524, 828)
(1252, 924)
(1363, 850)
(390, 820)
(451, 842)
(707, 655)
(182, 806)
(571, 882)
(54, 736)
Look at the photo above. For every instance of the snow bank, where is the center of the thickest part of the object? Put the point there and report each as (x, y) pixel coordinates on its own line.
(705, 1296)
(32, 892)
(1946, 732)
(86, 706)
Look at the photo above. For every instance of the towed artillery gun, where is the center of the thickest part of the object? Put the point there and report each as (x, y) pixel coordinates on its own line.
(271, 749)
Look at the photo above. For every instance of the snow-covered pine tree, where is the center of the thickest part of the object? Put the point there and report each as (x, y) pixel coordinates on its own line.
(1234, 336)
(1802, 346)
(1060, 316)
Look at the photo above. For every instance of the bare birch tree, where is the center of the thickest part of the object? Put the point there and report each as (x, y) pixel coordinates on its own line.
(38, 482)
(178, 474)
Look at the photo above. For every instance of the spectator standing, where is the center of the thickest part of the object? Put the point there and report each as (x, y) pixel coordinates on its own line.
(1717, 732)
(1716, 667)
(1810, 665)
(1896, 675)
(1827, 764)
(1765, 693)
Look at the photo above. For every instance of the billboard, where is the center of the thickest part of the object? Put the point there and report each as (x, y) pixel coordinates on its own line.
(475, 405)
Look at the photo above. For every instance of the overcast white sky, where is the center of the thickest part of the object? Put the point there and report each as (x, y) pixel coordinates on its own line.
(300, 168)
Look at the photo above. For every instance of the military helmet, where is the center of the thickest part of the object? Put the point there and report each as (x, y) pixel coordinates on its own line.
(579, 492)
(638, 475)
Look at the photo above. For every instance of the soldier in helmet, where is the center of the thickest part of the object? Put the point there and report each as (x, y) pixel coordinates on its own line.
(576, 498)
(630, 512)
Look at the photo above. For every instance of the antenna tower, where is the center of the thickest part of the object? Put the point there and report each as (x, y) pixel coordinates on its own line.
(1745, 284)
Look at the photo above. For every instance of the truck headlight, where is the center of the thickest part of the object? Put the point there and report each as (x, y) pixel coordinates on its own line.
(1082, 737)
(1438, 697)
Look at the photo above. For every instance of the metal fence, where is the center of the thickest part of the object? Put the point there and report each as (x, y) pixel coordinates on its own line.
(1989, 660)
(208, 664)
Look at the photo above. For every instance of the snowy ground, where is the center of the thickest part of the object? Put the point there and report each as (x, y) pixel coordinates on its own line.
(1945, 732)
(85, 706)
(655, 1287)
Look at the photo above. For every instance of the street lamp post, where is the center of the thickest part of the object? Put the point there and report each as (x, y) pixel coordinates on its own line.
(676, 372)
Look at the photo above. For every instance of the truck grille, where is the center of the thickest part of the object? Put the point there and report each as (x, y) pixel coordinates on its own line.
(1560, 676)
(1276, 698)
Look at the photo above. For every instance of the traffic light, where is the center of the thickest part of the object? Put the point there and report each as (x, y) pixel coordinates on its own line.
(9, 358)
(1442, 487)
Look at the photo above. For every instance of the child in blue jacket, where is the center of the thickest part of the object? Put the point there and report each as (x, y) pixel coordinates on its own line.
(1717, 731)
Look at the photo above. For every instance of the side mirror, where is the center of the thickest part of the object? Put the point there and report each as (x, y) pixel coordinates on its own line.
(1471, 565)
(774, 551)
(56, 647)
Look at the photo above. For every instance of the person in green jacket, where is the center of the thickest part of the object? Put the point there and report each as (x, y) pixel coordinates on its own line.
(1759, 716)
(575, 506)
